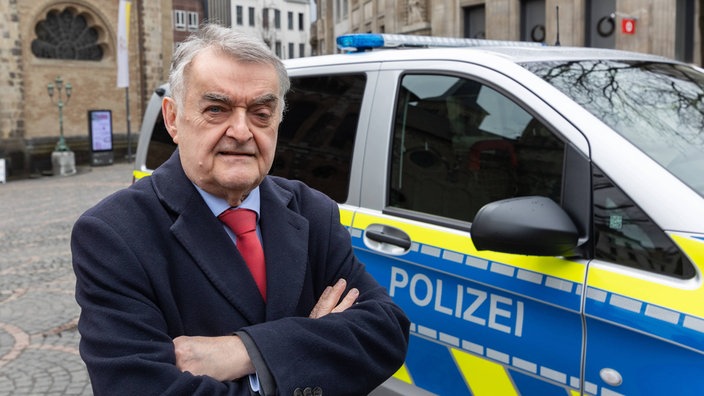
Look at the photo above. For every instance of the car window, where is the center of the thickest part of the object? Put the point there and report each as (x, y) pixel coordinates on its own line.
(458, 144)
(625, 235)
(161, 146)
(657, 106)
(317, 134)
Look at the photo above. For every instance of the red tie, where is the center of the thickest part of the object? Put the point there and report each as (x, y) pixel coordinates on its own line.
(243, 222)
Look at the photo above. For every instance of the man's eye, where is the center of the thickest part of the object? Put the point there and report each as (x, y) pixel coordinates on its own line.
(262, 115)
(213, 109)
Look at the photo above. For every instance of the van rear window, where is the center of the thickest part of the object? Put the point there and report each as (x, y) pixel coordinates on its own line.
(317, 134)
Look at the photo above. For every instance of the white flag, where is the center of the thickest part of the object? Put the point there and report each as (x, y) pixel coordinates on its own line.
(123, 35)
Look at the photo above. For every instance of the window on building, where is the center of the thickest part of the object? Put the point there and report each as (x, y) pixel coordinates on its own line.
(67, 35)
(301, 50)
(533, 20)
(300, 21)
(219, 11)
(291, 47)
(277, 49)
(251, 17)
(458, 144)
(193, 21)
(684, 30)
(316, 137)
(277, 19)
(238, 15)
(180, 20)
(265, 18)
(290, 20)
(474, 21)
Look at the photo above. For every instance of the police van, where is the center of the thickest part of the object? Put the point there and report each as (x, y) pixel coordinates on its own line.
(537, 211)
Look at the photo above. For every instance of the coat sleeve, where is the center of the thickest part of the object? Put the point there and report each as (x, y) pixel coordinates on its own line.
(124, 338)
(348, 353)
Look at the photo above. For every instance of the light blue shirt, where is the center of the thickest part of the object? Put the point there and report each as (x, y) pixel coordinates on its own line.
(218, 205)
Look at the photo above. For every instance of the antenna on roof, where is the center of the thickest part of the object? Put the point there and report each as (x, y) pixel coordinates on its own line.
(557, 13)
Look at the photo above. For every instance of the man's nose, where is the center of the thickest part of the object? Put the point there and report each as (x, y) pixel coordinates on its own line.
(238, 128)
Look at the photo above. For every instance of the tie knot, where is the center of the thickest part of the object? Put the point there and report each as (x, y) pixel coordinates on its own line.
(240, 221)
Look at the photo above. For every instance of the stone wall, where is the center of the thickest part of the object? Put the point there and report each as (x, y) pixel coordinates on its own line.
(12, 126)
(29, 120)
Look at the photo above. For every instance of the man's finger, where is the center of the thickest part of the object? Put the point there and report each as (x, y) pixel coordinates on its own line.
(348, 301)
(328, 300)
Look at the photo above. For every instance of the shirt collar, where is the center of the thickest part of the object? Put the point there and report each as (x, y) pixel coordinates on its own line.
(218, 205)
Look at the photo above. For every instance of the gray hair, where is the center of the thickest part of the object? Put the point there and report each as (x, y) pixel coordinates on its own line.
(238, 45)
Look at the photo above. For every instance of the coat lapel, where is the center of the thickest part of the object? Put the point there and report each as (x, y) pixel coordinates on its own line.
(285, 239)
(203, 237)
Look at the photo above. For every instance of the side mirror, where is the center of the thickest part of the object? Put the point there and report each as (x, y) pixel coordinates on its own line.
(533, 226)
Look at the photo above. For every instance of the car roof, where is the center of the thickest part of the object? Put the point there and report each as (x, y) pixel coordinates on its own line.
(482, 54)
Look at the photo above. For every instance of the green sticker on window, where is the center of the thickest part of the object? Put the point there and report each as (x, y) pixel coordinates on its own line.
(615, 222)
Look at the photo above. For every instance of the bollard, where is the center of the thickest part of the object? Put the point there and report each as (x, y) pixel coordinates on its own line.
(63, 163)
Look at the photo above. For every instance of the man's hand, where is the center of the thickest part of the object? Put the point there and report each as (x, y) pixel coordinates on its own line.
(330, 300)
(226, 358)
(223, 358)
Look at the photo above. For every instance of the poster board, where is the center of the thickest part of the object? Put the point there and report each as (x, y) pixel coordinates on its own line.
(101, 136)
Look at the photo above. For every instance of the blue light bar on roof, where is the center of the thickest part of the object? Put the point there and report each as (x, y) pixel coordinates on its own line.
(366, 41)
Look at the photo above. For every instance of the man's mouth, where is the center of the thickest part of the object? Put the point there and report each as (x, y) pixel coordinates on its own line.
(236, 153)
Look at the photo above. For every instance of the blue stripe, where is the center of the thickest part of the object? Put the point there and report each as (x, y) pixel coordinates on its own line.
(649, 318)
(521, 282)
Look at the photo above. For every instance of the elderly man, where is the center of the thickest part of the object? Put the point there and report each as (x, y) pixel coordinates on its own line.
(210, 277)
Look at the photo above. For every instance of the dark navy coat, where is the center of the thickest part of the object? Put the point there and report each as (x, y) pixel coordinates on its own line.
(153, 263)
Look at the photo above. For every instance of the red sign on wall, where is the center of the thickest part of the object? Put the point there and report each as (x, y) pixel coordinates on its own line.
(628, 25)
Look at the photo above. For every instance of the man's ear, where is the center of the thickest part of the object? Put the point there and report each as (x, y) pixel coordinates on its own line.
(169, 112)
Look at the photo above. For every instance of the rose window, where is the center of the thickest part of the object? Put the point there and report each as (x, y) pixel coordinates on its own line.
(67, 35)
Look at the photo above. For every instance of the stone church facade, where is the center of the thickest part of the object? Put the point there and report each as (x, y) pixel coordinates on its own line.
(41, 40)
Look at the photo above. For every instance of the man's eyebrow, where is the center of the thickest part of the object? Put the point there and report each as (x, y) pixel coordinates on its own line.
(216, 97)
(266, 99)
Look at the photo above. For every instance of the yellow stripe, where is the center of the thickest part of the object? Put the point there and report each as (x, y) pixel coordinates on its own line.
(458, 241)
(484, 377)
(404, 375)
(137, 174)
(685, 299)
(346, 216)
(694, 248)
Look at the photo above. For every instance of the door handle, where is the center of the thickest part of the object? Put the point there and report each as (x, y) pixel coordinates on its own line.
(387, 239)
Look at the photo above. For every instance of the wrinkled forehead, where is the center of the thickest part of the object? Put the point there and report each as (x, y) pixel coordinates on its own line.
(206, 61)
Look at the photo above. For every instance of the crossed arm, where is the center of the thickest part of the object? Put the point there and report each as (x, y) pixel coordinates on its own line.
(225, 358)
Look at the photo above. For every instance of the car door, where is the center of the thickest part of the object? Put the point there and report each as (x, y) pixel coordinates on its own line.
(320, 141)
(645, 332)
(483, 323)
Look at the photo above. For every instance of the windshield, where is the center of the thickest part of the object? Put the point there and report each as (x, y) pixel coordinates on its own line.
(659, 107)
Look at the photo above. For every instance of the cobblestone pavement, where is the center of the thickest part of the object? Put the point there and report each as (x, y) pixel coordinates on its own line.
(38, 313)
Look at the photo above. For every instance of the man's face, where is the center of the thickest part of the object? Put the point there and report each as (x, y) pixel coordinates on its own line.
(226, 128)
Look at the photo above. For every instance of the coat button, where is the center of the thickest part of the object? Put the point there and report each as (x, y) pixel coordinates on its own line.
(298, 392)
(307, 391)
(317, 391)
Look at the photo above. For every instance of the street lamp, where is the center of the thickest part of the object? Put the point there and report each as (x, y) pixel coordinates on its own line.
(58, 85)
(62, 159)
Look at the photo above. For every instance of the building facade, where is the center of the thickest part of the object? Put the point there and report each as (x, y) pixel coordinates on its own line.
(283, 24)
(77, 40)
(662, 27)
(41, 40)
